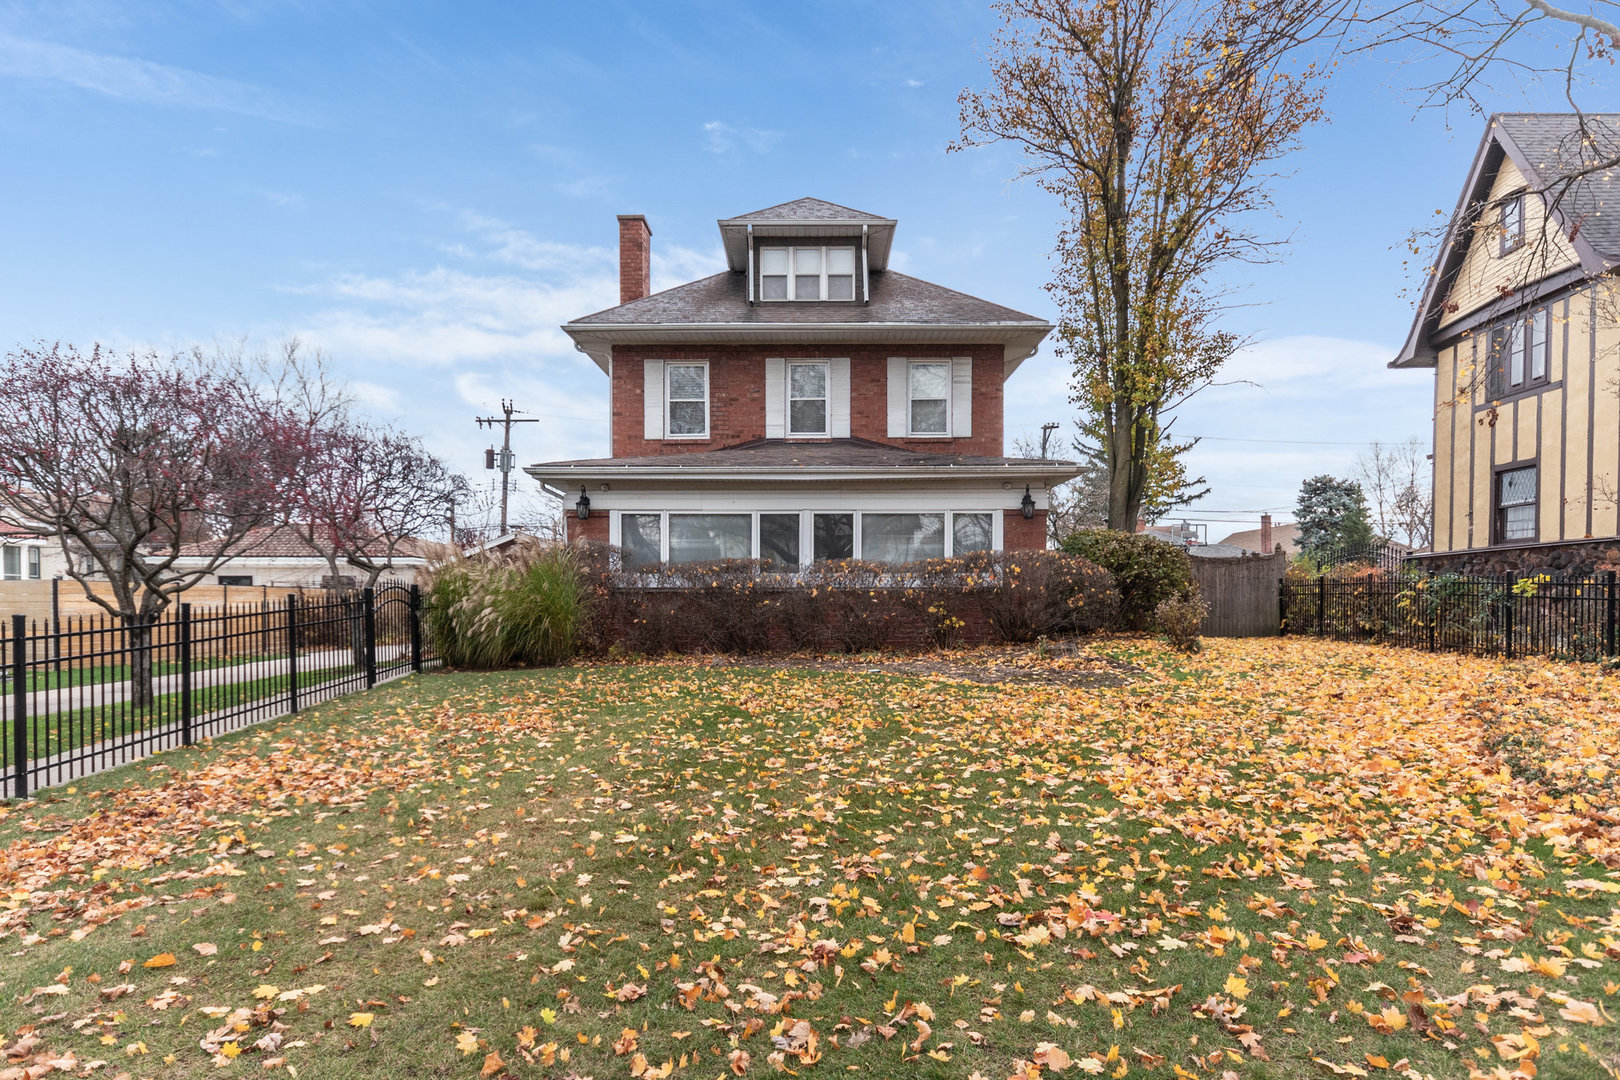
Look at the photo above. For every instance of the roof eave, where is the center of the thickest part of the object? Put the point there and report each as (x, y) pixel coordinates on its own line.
(1050, 473)
(1019, 340)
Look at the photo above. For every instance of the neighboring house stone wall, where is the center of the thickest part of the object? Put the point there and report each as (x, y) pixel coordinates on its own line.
(1576, 559)
(737, 394)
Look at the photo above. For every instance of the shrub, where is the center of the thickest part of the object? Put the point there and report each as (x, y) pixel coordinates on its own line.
(741, 607)
(1027, 594)
(1146, 571)
(527, 608)
(1179, 618)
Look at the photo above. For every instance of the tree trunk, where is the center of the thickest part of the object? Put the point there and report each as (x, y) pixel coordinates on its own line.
(138, 630)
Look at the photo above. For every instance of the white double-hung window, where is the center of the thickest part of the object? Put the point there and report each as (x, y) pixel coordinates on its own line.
(686, 397)
(807, 397)
(929, 397)
(807, 273)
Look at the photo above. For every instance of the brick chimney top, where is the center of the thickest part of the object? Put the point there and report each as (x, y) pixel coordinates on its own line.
(635, 257)
(1265, 534)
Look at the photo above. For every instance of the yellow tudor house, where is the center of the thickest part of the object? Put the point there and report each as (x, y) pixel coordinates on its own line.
(1521, 322)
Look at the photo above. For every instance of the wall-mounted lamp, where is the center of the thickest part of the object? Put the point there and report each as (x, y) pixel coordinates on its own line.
(1027, 504)
(583, 507)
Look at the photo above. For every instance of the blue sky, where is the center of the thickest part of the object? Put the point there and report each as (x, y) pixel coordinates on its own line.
(427, 190)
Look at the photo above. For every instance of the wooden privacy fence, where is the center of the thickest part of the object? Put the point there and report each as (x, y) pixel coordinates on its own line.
(1241, 593)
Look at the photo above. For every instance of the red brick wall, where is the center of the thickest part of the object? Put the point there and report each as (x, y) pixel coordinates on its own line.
(593, 528)
(737, 395)
(1019, 533)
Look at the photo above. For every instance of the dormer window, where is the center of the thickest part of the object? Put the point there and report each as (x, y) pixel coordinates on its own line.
(807, 273)
(1512, 223)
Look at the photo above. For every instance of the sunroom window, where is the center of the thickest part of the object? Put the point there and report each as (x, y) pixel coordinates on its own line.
(902, 538)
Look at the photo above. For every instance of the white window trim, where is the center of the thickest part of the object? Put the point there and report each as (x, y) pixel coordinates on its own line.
(807, 528)
(708, 397)
(825, 399)
(792, 274)
(950, 404)
(33, 564)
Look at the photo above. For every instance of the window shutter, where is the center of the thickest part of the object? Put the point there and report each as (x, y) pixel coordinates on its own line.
(838, 398)
(899, 405)
(961, 397)
(776, 399)
(653, 398)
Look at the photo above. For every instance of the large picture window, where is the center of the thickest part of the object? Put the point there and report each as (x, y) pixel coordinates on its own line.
(687, 394)
(779, 541)
(807, 273)
(807, 398)
(833, 537)
(930, 397)
(1516, 505)
(695, 538)
(902, 538)
(972, 532)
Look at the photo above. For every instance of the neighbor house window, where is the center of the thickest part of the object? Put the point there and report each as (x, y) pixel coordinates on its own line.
(1516, 504)
(641, 537)
(11, 568)
(807, 273)
(930, 394)
(236, 579)
(33, 563)
(1522, 352)
(902, 538)
(1512, 223)
(709, 537)
(687, 398)
(807, 398)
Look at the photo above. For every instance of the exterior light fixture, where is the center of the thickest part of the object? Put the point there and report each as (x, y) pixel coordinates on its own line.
(1027, 504)
(583, 508)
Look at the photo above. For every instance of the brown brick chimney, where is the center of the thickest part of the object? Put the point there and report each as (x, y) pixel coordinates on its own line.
(1265, 533)
(635, 257)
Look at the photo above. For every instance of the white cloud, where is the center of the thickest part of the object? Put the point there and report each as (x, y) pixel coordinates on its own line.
(674, 265)
(138, 80)
(914, 83)
(518, 247)
(720, 137)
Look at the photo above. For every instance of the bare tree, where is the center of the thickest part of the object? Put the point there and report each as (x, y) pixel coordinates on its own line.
(125, 460)
(1396, 481)
(1155, 123)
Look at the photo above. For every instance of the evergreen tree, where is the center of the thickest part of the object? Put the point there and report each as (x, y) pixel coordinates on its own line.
(1332, 513)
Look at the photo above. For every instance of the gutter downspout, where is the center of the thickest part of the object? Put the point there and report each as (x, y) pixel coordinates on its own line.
(750, 266)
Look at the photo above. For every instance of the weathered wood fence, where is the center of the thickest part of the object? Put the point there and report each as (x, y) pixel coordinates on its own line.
(1241, 593)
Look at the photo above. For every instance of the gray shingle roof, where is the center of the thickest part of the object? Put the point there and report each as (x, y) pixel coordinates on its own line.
(808, 209)
(1558, 146)
(723, 298)
(778, 454)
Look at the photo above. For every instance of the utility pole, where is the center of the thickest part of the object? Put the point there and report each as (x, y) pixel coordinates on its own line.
(507, 459)
(1046, 433)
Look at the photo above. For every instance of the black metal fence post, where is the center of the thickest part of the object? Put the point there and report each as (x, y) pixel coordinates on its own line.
(1507, 614)
(368, 601)
(292, 652)
(416, 627)
(185, 674)
(1321, 605)
(19, 706)
(1611, 610)
(1282, 607)
(1433, 607)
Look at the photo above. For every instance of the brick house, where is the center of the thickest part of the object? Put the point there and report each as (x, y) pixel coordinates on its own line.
(808, 403)
(1521, 325)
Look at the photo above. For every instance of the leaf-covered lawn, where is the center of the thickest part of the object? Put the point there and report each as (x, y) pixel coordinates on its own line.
(1277, 859)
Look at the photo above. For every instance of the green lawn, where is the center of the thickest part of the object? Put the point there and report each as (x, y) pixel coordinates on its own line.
(1278, 859)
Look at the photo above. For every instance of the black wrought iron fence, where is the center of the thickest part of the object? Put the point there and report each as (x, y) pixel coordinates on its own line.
(1508, 615)
(87, 694)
